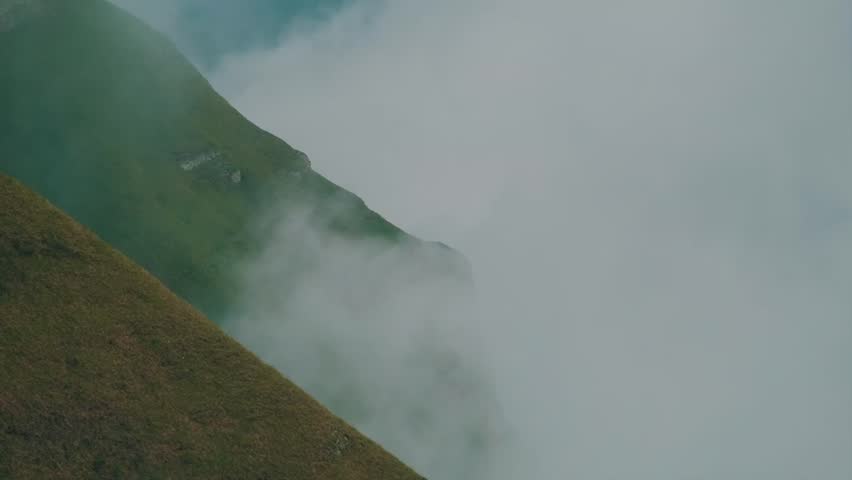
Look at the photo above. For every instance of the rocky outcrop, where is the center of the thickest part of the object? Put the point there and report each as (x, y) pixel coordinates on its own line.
(210, 165)
(191, 162)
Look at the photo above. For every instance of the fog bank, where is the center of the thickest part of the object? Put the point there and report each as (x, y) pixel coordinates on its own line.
(654, 197)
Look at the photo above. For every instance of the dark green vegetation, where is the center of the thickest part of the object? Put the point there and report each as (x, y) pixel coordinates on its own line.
(105, 118)
(107, 374)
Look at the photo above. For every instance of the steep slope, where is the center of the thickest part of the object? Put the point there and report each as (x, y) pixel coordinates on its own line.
(107, 374)
(105, 118)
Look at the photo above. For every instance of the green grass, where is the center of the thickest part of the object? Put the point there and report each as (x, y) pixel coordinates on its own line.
(107, 374)
(96, 109)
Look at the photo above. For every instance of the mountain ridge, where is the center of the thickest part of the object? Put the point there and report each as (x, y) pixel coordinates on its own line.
(116, 112)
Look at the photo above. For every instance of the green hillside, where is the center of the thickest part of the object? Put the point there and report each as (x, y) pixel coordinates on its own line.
(107, 374)
(104, 117)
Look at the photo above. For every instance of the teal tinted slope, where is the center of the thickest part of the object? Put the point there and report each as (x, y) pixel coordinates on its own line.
(104, 117)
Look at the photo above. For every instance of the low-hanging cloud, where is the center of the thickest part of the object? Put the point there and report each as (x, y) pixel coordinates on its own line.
(654, 197)
(376, 329)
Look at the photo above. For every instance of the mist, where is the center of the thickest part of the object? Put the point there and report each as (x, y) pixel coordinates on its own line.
(377, 330)
(206, 30)
(654, 200)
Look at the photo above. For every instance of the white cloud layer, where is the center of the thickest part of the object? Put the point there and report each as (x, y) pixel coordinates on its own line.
(375, 330)
(655, 197)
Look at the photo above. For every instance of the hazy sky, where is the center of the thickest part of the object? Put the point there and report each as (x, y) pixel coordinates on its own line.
(206, 30)
(654, 196)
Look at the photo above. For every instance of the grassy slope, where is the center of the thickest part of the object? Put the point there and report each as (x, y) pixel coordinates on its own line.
(96, 109)
(108, 374)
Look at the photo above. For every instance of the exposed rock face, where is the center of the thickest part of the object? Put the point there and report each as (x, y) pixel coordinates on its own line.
(210, 165)
(304, 157)
(339, 443)
(191, 162)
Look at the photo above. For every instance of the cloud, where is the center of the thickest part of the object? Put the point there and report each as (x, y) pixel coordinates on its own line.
(654, 197)
(375, 329)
